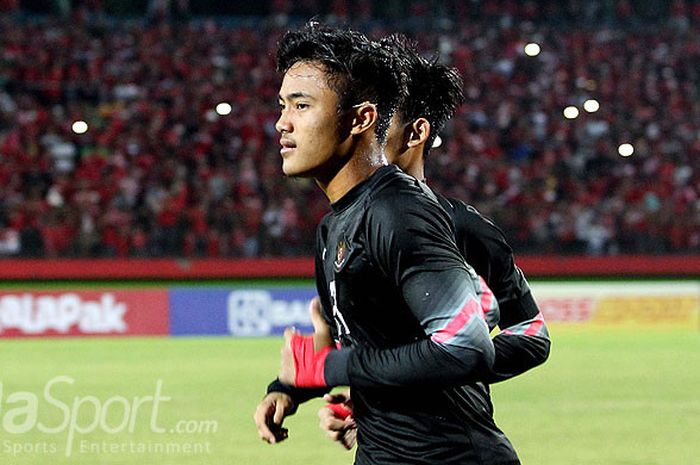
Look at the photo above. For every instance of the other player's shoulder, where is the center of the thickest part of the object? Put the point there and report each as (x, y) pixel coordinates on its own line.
(468, 220)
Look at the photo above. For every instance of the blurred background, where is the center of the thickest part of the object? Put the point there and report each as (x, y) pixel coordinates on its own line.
(146, 129)
(141, 195)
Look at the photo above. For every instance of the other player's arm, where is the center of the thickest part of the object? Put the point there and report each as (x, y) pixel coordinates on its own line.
(523, 342)
(336, 419)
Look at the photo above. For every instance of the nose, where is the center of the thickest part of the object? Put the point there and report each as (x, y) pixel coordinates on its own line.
(283, 124)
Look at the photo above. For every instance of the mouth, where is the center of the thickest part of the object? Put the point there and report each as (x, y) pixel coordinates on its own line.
(287, 146)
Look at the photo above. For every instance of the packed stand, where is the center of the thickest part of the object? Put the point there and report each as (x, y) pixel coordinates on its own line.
(160, 173)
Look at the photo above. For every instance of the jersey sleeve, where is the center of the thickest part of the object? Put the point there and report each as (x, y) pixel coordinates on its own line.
(410, 240)
(523, 342)
(520, 348)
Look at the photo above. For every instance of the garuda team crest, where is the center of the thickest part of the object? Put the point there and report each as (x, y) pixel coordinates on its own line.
(342, 251)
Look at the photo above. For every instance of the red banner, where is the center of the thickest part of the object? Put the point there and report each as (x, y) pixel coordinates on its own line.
(84, 313)
(303, 267)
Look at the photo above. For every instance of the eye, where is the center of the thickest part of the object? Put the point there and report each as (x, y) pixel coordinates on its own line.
(302, 106)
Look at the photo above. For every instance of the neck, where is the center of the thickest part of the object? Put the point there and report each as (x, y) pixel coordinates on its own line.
(366, 158)
(412, 163)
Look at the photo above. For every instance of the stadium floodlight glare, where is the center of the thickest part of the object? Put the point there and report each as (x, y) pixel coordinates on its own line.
(591, 105)
(223, 109)
(571, 112)
(79, 127)
(437, 142)
(532, 49)
(625, 150)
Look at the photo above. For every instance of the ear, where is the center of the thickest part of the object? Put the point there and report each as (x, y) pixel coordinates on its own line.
(419, 132)
(364, 117)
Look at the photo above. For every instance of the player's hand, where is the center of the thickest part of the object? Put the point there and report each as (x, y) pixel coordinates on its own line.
(337, 421)
(303, 357)
(270, 415)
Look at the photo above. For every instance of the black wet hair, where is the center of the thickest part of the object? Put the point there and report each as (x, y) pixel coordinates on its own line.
(359, 70)
(434, 90)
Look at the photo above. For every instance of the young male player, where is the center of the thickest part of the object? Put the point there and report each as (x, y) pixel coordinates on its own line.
(407, 309)
(434, 93)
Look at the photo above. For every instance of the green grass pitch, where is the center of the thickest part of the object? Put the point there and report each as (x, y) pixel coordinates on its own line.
(606, 396)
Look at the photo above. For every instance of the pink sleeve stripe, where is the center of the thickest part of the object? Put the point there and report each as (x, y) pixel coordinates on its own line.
(462, 319)
(486, 297)
(534, 327)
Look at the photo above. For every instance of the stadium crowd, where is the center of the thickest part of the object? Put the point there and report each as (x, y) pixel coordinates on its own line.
(161, 172)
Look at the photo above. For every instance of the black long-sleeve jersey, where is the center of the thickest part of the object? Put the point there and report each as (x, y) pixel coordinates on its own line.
(523, 342)
(409, 314)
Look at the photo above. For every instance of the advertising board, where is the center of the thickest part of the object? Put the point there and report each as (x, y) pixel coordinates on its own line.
(84, 312)
(239, 312)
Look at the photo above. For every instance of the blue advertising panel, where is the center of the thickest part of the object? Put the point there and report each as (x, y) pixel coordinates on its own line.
(239, 311)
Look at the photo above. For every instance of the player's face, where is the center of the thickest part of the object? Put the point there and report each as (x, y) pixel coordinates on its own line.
(308, 122)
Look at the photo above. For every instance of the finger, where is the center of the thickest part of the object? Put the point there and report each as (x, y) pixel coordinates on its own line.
(349, 439)
(346, 438)
(272, 433)
(325, 412)
(315, 309)
(263, 430)
(278, 418)
(329, 422)
(261, 412)
(288, 333)
(339, 425)
(267, 436)
(317, 320)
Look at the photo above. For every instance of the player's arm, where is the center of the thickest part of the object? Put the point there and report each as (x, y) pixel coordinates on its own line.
(411, 242)
(282, 400)
(296, 394)
(520, 348)
(457, 348)
(523, 342)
